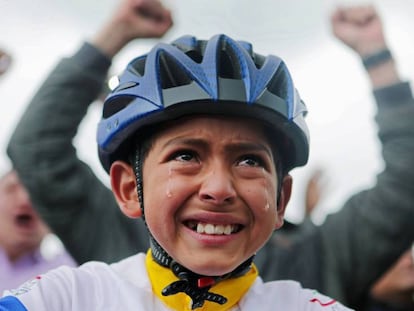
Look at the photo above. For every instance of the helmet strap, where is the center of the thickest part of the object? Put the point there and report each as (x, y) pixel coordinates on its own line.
(137, 167)
(194, 285)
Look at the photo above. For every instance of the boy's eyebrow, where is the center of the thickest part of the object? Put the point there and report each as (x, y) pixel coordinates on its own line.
(186, 141)
(249, 146)
(237, 146)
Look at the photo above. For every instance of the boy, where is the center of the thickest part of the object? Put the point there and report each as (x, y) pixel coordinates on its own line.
(198, 138)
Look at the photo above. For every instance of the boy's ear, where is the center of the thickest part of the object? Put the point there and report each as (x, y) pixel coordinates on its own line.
(124, 187)
(285, 194)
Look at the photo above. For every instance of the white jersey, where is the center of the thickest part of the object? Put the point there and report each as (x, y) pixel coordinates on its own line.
(125, 286)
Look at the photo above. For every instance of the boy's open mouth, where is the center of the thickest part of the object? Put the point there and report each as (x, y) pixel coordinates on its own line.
(213, 229)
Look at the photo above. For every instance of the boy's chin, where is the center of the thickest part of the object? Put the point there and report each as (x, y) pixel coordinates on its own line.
(212, 267)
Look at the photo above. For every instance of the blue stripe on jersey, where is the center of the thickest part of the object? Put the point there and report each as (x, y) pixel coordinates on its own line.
(11, 303)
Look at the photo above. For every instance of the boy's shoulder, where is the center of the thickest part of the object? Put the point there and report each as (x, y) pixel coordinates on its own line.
(132, 269)
(88, 285)
(129, 270)
(288, 295)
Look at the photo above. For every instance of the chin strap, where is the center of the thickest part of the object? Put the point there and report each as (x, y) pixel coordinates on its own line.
(194, 285)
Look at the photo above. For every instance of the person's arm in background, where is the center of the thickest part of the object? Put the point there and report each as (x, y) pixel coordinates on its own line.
(374, 227)
(313, 192)
(5, 61)
(64, 189)
(361, 29)
(394, 290)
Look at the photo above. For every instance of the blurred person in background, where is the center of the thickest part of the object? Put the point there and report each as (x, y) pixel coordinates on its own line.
(314, 192)
(45, 133)
(361, 30)
(333, 258)
(353, 247)
(22, 232)
(394, 289)
(5, 61)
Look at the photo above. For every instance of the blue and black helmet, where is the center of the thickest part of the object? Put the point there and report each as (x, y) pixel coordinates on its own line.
(220, 76)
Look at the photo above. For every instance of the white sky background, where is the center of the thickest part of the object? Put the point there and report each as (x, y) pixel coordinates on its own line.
(328, 75)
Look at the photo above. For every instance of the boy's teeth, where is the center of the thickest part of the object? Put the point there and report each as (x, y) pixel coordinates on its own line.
(209, 229)
(214, 229)
(219, 229)
(228, 229)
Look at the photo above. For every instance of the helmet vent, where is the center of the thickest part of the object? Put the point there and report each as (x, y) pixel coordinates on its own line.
(116, 105)
(258, 60)
(172, 74)
(195, 56)
(195, 50)
(228, 64)
(138, 66)
(280, 85)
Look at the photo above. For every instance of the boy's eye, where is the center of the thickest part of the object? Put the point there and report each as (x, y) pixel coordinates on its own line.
(251, 160)
(184, 156)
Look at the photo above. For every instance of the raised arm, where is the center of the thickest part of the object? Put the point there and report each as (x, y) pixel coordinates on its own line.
(362, 240)
(76, 205)
(5, 61)
(361, 29)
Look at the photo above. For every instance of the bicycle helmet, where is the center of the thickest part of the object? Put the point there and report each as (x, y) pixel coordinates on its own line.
(220, 76)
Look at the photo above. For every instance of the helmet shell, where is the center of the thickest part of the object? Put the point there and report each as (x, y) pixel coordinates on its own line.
(220, 76)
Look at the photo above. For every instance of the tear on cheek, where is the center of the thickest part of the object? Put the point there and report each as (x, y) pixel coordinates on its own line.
(267, 201)
(168, 191)
(266, 186)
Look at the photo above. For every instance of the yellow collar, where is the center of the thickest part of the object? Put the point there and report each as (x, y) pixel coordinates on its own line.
(232, 289)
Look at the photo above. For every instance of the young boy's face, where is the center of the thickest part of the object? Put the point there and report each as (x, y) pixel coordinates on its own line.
(210, 192)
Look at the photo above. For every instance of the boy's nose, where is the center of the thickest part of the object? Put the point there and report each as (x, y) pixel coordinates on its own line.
(217, 188)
